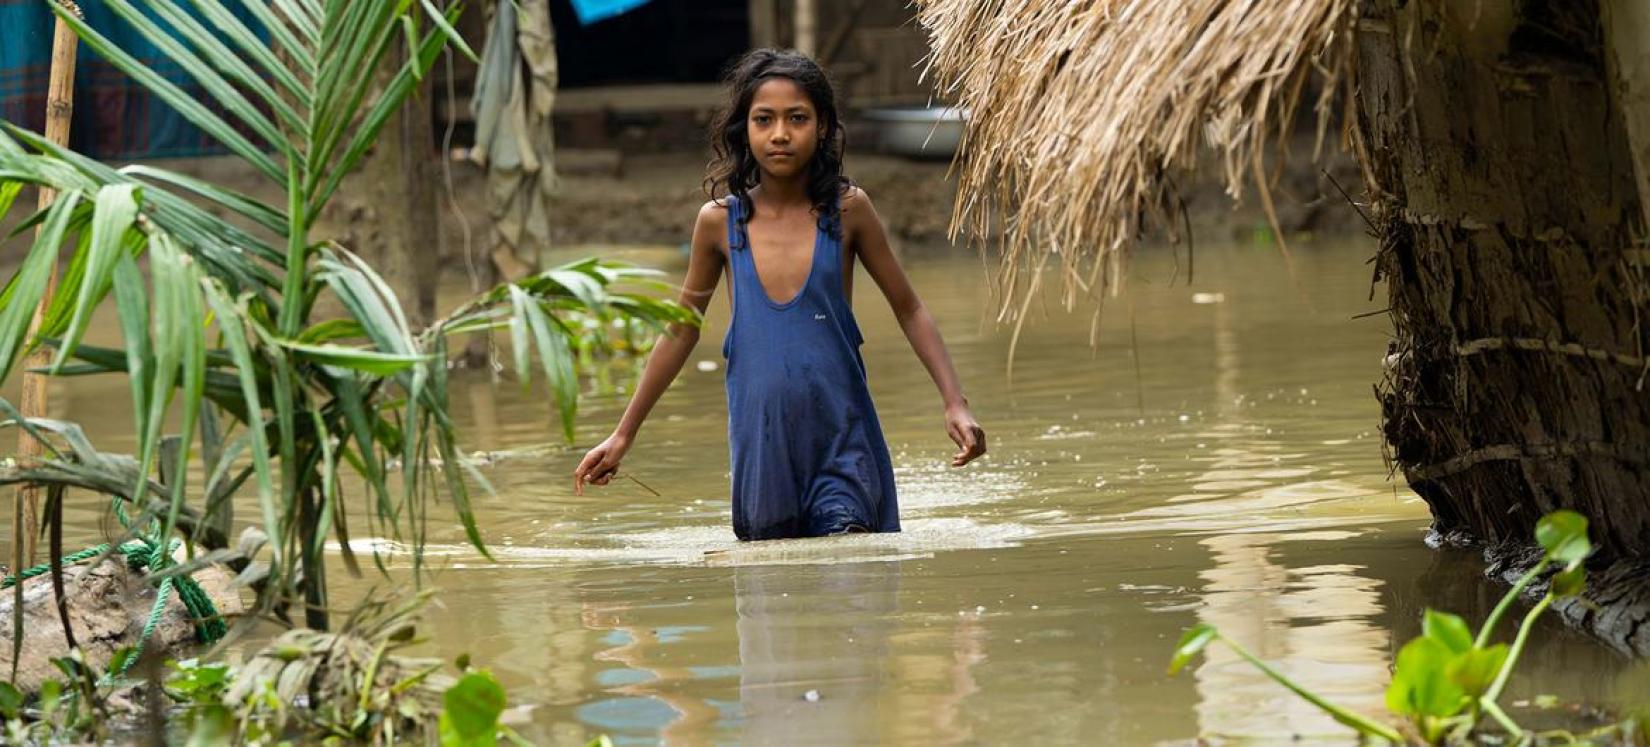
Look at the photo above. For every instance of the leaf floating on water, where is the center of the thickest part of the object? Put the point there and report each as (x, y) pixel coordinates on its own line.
(1191, 644)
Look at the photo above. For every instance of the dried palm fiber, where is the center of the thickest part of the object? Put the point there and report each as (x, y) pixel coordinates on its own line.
(514, 96)
(1080, 111)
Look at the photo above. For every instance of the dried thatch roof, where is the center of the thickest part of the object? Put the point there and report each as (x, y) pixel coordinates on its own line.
(1080, 110)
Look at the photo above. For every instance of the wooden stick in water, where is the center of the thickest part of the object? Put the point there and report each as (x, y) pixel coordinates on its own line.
(656, 494)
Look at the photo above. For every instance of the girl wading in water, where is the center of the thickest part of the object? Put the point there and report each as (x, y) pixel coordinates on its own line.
(809, 458)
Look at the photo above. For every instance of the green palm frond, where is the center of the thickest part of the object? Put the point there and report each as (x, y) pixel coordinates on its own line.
(218, 316)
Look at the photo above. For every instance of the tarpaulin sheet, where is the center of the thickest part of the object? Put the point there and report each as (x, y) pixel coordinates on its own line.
(114, 117)
(591, 11)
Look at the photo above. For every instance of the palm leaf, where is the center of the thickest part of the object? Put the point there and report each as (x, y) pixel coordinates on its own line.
(308, 394)
(116, 209)
(30, 282)
(229, 321)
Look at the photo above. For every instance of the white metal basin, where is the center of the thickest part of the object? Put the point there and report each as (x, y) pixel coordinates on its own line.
(917, 132)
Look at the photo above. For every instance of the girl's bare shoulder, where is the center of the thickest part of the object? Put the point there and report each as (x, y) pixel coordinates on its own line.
(857, 211)
(712, 221)
(717, 209)
(855, 198)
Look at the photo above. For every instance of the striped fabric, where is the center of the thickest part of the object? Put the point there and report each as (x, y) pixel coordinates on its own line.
(114, 117)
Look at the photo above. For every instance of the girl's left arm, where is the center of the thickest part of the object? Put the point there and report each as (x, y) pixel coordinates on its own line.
(863, 230)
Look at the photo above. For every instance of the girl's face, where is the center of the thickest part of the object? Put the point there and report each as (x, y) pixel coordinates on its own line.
(782, 127)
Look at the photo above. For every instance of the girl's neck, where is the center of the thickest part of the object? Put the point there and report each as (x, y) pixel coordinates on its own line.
(782, 192)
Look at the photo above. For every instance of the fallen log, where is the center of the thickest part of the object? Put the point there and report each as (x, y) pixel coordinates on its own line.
(109, 604)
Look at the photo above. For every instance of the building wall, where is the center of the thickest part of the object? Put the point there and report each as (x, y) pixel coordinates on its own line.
(873, 48)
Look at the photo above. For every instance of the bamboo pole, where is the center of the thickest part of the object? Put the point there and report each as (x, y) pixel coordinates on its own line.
(59, 108)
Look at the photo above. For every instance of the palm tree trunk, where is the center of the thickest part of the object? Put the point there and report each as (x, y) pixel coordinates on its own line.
(392, 209)
(1500, 162)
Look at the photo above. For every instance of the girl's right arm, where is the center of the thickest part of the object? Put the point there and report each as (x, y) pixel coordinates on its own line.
(705, 266)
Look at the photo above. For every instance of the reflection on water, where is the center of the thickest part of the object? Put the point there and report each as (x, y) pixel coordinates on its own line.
(1226, 469)
(1313, 624)
(812, 647)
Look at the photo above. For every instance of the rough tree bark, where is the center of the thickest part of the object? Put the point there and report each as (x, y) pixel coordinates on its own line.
(1505, 188)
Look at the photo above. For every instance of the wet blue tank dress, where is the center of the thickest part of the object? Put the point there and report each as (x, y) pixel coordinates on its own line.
(809, 458)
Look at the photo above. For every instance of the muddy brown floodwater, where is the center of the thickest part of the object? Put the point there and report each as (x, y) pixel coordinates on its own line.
(1034, 598)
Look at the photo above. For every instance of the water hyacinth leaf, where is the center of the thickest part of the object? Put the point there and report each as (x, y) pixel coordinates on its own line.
(122, 659)
(1421, 685)
(1191, 644)
(11, 701)
(214, 724)
(474, 704)
(1569, 582)
(1563, 534)
(1448, 629)
(1475, 669)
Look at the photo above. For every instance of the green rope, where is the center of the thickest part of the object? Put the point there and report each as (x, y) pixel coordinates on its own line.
(43, 568)
(151, 554)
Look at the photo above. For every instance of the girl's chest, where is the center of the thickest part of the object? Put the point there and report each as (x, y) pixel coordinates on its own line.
(784, 252)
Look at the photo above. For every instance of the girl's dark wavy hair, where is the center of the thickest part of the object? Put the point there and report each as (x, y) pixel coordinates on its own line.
(734, 170)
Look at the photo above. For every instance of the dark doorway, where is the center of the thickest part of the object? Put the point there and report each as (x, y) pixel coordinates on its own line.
(664, 41)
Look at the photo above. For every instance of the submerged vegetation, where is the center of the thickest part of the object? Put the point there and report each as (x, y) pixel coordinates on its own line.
(350, 686)
(285, 362)
(1448, 680)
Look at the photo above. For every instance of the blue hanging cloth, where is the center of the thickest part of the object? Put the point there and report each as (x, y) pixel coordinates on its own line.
(591, 11)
